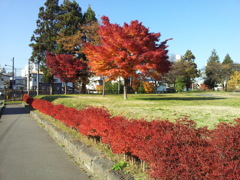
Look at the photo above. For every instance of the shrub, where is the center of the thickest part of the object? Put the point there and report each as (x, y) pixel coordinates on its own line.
(148, 87)
(141, 89)
(225, 143)
(99, 88)
(177, 150)
(28, 99)
(111, 88)
(180, 83)
(203, 87)
(94, 121)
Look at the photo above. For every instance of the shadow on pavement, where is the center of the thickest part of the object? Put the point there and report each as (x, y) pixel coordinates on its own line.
(8, 110)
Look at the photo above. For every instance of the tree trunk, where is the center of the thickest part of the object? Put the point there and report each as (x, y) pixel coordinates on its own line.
(51, 89)
(125, 88)
(103, 89)
(65, 88)
(51, 85)
(119, 85)
(83, 88)
(73, 87)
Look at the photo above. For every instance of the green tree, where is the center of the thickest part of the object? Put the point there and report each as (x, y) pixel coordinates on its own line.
(89, 16)
(188, 56)
(227, 59)
(213, 70)
(54, 23)
(190, 71)
(214, 57)
(186, 68)
(227, 70)
(69, 19)
(180, 83)
(44, 37)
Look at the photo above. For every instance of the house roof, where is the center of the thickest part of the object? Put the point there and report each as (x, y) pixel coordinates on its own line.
(35, 72)
(19, 77)
(3, 74)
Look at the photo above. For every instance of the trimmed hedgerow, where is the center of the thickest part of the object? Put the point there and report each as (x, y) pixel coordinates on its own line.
(177, 150)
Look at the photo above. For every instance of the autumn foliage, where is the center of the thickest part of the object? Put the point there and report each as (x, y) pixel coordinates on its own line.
(148, 87)
(127, 51)
(65, 66)
(177, 150)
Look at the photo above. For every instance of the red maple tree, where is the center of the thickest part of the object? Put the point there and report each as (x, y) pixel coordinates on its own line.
(127, 51)
(65, 66)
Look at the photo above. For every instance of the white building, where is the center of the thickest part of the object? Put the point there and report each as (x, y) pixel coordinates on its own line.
(20, 83)
(31, 83)
(30, 73)
(4, 81)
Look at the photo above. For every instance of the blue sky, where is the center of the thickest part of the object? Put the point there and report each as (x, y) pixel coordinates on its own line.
(197, 25)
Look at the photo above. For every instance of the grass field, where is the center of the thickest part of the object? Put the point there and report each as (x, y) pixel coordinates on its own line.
(205, 108)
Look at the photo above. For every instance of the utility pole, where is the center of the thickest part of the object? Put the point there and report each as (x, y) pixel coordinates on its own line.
(13, 80)
(13, 70)
(38, 78)
(28, 78)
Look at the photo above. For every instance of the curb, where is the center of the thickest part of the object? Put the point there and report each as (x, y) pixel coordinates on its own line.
(1, 106)
(91, 158)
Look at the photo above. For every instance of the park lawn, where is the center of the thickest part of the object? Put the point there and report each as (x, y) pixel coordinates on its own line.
(205, 108)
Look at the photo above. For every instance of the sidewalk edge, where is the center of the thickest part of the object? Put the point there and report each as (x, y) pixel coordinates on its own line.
(91, 158)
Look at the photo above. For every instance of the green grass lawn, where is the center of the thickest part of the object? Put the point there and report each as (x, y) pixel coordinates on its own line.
(205, 108)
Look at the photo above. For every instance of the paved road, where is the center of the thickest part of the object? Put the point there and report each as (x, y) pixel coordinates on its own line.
(28, 153)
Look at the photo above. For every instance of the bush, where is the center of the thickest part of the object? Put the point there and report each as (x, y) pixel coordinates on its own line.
(140, 89)
(112, 88)
(148, 87)
(99, 88)
(177, 150)
(28, 99)
(179, 84)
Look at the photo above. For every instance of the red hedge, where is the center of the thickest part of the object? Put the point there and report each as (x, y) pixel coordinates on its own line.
(172, 150)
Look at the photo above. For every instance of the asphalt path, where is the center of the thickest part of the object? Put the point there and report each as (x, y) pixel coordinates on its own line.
(28, 153)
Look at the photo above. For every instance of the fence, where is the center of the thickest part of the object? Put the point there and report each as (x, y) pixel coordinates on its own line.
(11, 95)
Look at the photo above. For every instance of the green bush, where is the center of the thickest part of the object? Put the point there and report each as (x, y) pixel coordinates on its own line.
(112, 88)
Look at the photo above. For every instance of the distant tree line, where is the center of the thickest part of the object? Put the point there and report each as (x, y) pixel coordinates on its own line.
(183, 71)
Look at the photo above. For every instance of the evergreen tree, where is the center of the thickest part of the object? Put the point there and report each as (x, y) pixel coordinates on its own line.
(190, 71)
(185, 68)
(227, 70)
(72, 42)
(188, 56)
(70, 19)
(213, 70)
(214, 57)
(89, 16)
(44, 37)
(227, 59)
(76, 29)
